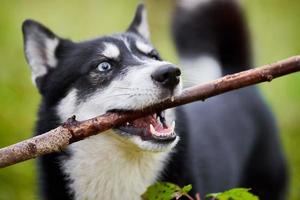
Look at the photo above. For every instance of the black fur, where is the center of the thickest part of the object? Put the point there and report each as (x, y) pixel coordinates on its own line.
(76, 62)
(216, 28)
(136, 20)
(229, 141)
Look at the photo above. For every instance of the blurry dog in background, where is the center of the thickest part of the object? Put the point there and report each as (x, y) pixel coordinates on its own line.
(229, 141)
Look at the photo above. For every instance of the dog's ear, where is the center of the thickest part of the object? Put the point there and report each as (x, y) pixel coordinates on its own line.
(139, 24)
(40, 45)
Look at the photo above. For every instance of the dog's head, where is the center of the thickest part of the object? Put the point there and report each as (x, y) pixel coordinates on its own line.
(117, 72)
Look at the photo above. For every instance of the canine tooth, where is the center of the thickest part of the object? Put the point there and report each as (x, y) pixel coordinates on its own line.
(127, 123)
(173, 126)
(152, 130)
(172, 98)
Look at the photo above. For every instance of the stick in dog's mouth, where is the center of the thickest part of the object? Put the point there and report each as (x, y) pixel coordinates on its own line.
(150, 128)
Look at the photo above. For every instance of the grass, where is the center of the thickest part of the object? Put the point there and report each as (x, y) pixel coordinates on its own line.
(275, 29)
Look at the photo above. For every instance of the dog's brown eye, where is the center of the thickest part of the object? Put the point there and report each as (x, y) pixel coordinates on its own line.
(104, 66)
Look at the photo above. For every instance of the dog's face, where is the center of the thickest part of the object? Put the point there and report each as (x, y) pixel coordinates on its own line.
(118, 72)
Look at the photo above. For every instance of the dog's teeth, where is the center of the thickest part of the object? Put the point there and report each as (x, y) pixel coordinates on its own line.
(127, 123)
(173, 126)
(172, 98)
(152, 130)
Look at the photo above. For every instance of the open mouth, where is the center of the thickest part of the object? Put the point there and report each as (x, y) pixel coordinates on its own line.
(152, 127)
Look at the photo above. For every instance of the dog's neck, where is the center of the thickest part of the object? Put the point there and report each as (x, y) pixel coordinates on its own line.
(107, 167)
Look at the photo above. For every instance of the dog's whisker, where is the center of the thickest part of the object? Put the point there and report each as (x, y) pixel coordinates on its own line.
(117, 95)
(128, 95)
(131, 88)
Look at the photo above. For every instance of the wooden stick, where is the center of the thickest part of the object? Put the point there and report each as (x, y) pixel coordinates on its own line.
(71, 131)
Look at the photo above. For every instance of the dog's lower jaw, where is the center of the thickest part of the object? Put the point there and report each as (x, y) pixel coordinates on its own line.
(105, 167)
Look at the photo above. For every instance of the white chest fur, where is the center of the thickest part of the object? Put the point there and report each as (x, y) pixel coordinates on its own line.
(105, 167)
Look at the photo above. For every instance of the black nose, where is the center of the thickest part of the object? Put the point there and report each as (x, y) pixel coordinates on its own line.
(168, 76)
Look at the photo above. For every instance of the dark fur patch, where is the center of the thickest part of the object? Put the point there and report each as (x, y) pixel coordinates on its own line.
(228, 141)
(217, 29)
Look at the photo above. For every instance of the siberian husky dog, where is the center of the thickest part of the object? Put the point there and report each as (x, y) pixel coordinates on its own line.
(228, 141)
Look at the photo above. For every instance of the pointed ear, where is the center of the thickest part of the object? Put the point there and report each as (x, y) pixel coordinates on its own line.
(40, 45)
(139, 24)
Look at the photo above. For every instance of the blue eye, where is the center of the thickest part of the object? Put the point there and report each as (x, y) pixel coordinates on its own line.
(104, 67)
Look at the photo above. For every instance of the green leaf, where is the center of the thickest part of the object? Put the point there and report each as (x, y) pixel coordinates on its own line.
(161, 191)
(165, 191)
(186, 189)
(234, 194)
(213, 195)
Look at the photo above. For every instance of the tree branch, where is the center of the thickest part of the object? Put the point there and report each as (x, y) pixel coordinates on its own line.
(71, 131)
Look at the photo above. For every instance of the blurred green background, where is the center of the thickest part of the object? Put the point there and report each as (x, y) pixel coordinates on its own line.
(275, 26)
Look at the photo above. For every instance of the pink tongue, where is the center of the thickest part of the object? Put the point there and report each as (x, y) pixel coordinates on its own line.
(159, 128)
(146, 121)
